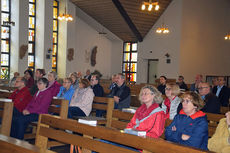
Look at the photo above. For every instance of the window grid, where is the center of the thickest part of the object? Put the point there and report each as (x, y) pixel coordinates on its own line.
(32, 34)
(55, 35)
(5, 39)
(129, 65)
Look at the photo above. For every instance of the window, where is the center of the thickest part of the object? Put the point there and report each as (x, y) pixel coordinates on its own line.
(55, 35)
(32, 34)
(129, 67)
(5, 38)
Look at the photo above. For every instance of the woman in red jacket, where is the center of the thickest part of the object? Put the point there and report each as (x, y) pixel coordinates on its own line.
(149, 116)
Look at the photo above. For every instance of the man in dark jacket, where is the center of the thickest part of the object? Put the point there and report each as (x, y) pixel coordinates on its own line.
(181, 83)
(97, 88)
(212, 104)
(121, 93)
(222, 92)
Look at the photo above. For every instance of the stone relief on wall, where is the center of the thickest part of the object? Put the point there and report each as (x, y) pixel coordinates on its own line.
(22, 51)
(70, 54)
(93, 56)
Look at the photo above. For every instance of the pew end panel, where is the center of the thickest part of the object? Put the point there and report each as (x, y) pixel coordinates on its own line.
(6, 113)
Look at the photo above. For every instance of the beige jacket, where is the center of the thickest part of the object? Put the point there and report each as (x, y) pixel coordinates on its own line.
(83, 98)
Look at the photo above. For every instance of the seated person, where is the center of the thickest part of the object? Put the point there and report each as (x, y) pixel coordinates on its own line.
(81, 102)
(172, 101)
(75, 81)
(12, 81)
(97, 88)
(87, 75)
(67, 90)
(162, 85)
(113, 84)
(181, 83)
(222, 92)
(39, 73)
(121, 93)
(28, 74)
(190, 126)
(194, 86)
(21, 96)
(54, 86)
(38, 105)
(220, 141)
(149, 116)
(212, 104)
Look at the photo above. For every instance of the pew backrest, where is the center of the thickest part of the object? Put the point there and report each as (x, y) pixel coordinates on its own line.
(54, 127)
(6, 112)
(12, 145)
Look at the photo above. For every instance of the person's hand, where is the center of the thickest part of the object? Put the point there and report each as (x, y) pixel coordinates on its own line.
(116, 99)
(25, 112)
(185, 137)
(228, 118)
(174, 128)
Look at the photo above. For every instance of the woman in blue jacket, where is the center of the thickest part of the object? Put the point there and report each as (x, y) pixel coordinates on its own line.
(67, 90)
(190, 126)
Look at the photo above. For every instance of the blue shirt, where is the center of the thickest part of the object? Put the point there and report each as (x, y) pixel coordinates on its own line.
(218, 90)
(66, 94)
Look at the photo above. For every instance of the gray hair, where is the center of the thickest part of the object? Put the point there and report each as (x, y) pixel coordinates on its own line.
(122, 75)
(54, 74)
(157, 94)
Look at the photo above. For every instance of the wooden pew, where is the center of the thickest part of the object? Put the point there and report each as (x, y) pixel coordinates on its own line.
(8, 88)
(54, 127)
(6, 112)
(213, 121)
(120, 119)
(12, 145)
(224, 110)
(61, 111)
(101, 103)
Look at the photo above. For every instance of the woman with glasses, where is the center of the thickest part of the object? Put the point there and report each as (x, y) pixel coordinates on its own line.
(190, 126)
(67, 90)
(81, 102)
(38, 105)
(172, 101)
(149, 116)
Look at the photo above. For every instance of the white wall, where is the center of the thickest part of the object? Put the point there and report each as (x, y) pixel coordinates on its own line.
(19, 35)
(83, 37)
(160, 44)
(203, 48)
(196, 41)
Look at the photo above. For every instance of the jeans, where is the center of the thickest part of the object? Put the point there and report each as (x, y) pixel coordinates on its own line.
(20, 123)
(75, 111)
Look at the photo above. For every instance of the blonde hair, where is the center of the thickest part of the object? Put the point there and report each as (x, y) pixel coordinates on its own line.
(157, 94)
(174, 87)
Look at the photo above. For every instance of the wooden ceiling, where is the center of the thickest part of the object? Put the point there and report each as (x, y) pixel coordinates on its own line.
(124, 18)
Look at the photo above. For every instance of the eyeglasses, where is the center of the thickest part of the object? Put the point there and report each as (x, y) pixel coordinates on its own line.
(167, 88)
(66, 82)
(202, 88)
(92, 79)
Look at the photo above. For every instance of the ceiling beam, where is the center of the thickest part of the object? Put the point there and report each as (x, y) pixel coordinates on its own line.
(128, 20)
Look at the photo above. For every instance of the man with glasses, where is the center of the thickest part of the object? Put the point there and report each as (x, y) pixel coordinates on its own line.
(21, 96)
(212, 104)
(222, 91)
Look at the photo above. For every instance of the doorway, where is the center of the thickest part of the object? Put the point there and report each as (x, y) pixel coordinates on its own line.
(152, 70)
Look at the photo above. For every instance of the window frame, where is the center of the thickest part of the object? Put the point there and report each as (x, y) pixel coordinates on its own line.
(33, 54)
(130, 62)
(6, 39)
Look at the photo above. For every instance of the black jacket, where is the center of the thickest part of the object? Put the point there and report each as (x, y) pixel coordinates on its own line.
(223, 96)
(212, 104)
